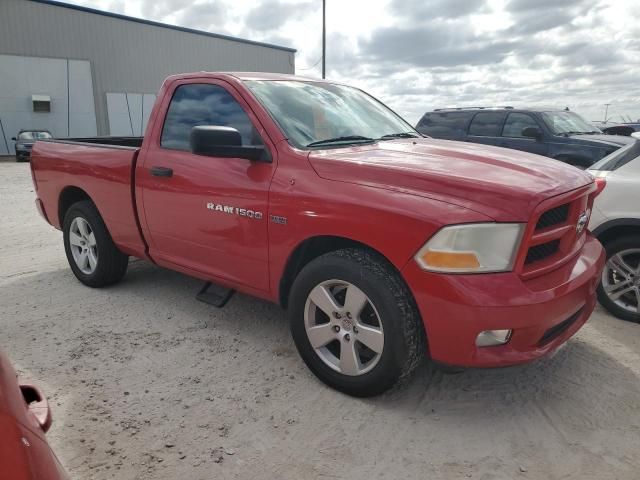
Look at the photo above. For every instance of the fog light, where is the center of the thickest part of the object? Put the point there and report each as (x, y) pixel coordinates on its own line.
(490, 338)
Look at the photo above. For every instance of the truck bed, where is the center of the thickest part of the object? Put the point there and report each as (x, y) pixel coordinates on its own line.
(131, 142)
(101, 168)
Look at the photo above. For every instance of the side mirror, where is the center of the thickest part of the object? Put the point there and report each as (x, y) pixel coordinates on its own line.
(218, 141)
(532, 132)
(14, 139)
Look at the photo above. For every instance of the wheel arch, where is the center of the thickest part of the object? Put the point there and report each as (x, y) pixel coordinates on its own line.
(617, 228)
(313, 247)
(68, 196)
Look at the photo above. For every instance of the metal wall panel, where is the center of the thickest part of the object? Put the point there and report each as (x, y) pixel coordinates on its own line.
(147, 105)
(125, 56)
(119, 117)
(134, 102)
(66, 82)
(22, 77)
(129, 112)
(82, 113)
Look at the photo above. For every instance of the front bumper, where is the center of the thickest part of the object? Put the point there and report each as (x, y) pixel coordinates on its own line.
(543, 312)
(23, 154)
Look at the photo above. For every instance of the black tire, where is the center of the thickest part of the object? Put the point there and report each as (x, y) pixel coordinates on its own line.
(111, 264)
(404, 339)
(612, 248)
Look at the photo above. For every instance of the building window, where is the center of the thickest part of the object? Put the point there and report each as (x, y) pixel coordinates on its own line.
(41, 103)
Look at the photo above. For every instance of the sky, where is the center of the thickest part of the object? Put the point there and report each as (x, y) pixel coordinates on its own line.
(417, 55)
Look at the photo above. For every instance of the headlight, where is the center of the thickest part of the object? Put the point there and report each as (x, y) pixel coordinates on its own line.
(472, 248)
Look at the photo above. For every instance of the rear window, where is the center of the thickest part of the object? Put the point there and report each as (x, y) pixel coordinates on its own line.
(487, 124)
(34, 135)
(445, 124)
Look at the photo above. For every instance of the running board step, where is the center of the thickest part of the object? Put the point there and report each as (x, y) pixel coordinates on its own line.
(215, 295)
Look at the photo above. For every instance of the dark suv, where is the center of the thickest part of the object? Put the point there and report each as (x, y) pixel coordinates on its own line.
(25, 140)
(558, 134)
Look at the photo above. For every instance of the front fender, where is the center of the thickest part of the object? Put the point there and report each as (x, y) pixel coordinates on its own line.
(392, 223)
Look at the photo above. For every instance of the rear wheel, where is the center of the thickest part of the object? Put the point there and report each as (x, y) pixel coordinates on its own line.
(354, 322)
(619, 289)
(92, 255)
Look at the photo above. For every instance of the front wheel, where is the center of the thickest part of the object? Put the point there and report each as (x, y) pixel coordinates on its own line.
(619, 289)
(355, 323)
(92, 255)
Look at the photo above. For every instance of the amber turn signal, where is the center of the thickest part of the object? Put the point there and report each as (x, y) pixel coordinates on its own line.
(450, 260)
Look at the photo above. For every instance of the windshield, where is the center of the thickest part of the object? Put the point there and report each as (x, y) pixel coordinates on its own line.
(568, 122)
(33, 135)
(312, 113)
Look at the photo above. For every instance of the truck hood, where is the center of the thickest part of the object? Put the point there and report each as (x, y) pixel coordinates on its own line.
(603, 140)
(501, 183)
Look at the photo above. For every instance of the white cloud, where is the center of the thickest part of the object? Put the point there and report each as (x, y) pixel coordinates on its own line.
(416, 55)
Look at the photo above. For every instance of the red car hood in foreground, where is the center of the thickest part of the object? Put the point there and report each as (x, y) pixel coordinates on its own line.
(504, 184)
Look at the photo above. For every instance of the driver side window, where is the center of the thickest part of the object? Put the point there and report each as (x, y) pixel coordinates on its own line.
(204, 104)
(516, 122)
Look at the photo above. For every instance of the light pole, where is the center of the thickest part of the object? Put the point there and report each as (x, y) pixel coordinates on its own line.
(324, 34)
(606, 106)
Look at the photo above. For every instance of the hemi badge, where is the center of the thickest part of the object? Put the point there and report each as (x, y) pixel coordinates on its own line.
(278, 220)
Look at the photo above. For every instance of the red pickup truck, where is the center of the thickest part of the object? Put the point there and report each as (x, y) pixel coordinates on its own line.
(383, 245)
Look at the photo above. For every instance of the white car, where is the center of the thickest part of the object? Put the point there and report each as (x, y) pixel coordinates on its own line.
(615, 220)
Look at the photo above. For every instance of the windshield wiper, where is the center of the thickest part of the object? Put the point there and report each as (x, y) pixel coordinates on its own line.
(345, 139)
(584, 132)
(391, 136)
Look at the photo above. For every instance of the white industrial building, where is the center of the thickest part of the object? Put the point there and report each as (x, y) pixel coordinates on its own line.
(79, 72)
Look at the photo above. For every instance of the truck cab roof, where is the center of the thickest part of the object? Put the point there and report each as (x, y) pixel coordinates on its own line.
(242, 76)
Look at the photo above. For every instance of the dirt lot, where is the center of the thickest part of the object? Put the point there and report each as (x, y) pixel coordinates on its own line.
(146, 382)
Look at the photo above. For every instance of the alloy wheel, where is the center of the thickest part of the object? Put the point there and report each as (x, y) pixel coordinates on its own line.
(344, 327)
(83, 245)
(621, 279)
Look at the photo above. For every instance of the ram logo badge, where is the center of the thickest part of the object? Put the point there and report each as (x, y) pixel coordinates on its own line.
(242, 212)
(583, 219)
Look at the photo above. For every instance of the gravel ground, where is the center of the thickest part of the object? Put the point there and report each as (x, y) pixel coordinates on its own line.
(146, 382)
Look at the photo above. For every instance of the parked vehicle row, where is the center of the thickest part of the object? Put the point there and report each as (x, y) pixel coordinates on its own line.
(559, 134)
(612, 128)
(286, 188)
(565, 136)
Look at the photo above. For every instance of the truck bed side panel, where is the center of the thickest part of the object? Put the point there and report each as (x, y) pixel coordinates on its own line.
(105, 173)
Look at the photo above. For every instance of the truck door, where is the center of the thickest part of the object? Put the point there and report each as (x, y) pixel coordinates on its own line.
(512, 136)
(486, 127)
(207, 214)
